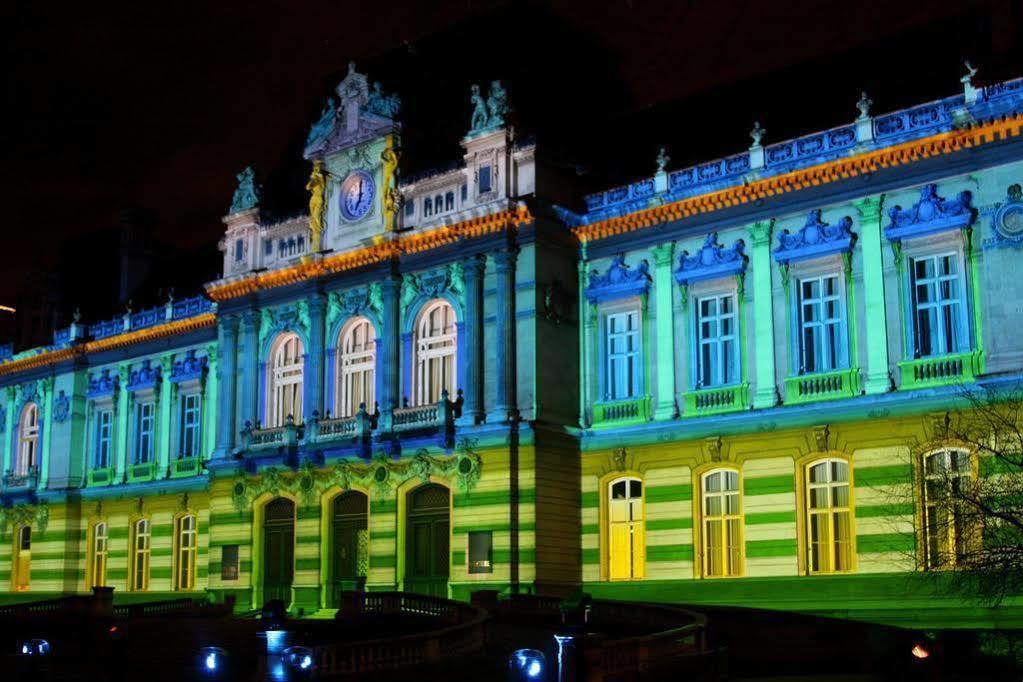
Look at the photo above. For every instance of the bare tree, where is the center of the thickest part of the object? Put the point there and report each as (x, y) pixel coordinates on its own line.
(972, 509)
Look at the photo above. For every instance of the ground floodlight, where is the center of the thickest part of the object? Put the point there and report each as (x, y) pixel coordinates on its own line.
(34, 647)
(212, 661)
(526, 664)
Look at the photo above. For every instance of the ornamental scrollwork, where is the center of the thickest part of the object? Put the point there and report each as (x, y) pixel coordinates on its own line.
(37, 516)
(61, 408)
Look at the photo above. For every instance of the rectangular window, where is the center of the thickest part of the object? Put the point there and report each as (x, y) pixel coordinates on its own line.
(145, 418)
(481, 551)
(465, 193)
(449, 201)
(268, 247)
(190, 413)
(722, 524)
(239, 249)
(623, 355)
(140, 559)
(104, 428)
(821, 345)
(188, 545)
(938, 325)
(410, 208)
(484, 185)
(427, 207)
(229, 562)
(829, 517)
(717, 359)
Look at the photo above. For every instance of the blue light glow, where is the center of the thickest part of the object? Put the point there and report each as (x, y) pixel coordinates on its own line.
(528, 662)
(211, 661)
(35, 647)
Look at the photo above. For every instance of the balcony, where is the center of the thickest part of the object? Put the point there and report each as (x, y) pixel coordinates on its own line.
(808, 388)
(257, 438)
(941, 370)
(184, 467)
(143, 471)
(704, 401)
(99, 476)
(622, 412)
(437, 415)
(329, 429)
(21, 481)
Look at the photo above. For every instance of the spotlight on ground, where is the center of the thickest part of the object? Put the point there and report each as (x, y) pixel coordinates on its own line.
(526, 665)
(919, 651)
(299, 661)
(34, 647)
(212, 662)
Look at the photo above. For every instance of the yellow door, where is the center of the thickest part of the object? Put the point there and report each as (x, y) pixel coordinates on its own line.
(625, 530)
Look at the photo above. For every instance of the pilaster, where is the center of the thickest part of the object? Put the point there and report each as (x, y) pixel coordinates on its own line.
(665, 332)
(9, 430)
(166, 402)
(249, 398)
(766, 391)
(123, 404)
(387, 363)
(506, 405)
(46, 416)
(472, 369)
(227, 386)
(209, 386)
(312, 399)
(878, 378)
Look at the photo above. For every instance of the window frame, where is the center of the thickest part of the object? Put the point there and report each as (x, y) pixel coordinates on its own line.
(282, 376)
(697, 295)
(607, 484)
(99, 548)
(950, 548)
(185, 428)
(804, 529)
(22, 559)
(700, 516)
(29, 433)
(142, 434)
(426, 349)
(99, 411)
(141, 557)
(841, 347)
(626, 307)
(355, 364)
(185, 554)
(963, 331)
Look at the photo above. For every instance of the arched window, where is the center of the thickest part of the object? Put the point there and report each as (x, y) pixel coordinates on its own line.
(427, 206)
(721, 532)
(187, 542)
(828, 517)
(436, 342)
(28, 440)
(947, 473)
(99, 554)
(141, 544)
(357, 360)
(438, 203)
(284, 394)
(449, 201)
(626, 531)
(23, 559)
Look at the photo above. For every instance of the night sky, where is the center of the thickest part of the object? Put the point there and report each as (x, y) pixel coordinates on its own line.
(145, 111)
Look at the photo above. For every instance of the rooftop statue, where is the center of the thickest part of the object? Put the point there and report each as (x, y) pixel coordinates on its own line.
(757, 135)
(380, 104)
(324, 124)
(971, 71)
(662, 159)
(864, 106)
(317, 187)
(497, 103)
(479, 111)
(246, 197)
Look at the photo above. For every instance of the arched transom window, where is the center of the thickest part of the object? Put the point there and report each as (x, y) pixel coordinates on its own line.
(722, 524)
(947, 474)
(187, 542)
(627, 547)
(99, 554)
(828, 517)
(140, 555)
(357, 359)
(436, 340)
(284, 397)
(28, 440)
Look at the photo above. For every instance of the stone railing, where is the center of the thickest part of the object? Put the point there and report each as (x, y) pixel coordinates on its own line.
(143, 471)
(941, 370)
(621, 412)
(461, 630)
(440, 414)
(339, 428)
(21, 481)
(715, 400)
(99, 476)
(258, 438)
(824, 386)
(184, 466)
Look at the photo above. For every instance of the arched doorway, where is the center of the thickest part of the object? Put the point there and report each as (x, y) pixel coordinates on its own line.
(427, 558)
(351, 542)
(278, 549)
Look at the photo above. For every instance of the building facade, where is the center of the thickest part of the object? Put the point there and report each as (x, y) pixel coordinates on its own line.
(722, 384)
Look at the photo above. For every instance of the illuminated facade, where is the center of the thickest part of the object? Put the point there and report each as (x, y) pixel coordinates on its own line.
(741, 403)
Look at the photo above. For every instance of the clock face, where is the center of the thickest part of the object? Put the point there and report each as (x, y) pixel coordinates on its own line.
(356, 195)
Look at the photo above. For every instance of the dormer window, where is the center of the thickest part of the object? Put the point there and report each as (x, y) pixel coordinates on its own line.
(485, 182)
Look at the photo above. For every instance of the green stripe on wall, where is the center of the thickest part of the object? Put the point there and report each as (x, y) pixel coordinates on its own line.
(480, 499)
(229, 518)
(882, 476)
(382, 561)
(886, 542)
(669, 524)
(875, 510)
(771, 517)
(669, 493)
(656, 553)
(768, 485)
(771, 548)
(590, 500)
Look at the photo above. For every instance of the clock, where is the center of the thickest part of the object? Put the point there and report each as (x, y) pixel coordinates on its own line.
(357, 192)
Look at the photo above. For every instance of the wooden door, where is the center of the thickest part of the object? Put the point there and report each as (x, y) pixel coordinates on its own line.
(278, 550)
(428, 556)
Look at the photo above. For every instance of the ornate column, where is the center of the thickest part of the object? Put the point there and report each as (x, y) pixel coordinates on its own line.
(249, 398)
(587, 320)
(387, 348)
(46, 415)
(122, 408)
(312, 398)
(472, 372)
(166, 397)
(878, 378)
(506, 405)
(766, 392)
(226, 407)
(665, 331)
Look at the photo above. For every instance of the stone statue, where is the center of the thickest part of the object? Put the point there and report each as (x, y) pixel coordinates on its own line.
(246, 197)
(971, 71)
(317, 187)
(324, 124)
(479, 111)
(757, 134)
(864, 106)
(380, 104)
(497, 103)
(662, 159)
(391, 196)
